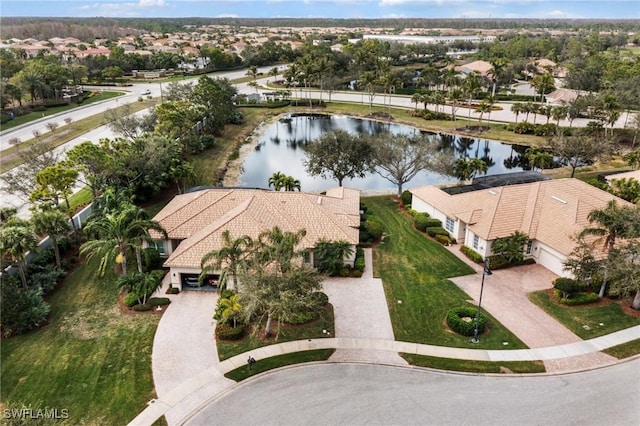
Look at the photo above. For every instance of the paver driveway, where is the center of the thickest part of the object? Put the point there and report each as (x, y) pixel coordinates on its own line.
(505, 297)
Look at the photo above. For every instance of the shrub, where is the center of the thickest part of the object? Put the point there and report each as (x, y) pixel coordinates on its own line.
(225, 331)
(344, 272)
(406, 197)
(434, 223)
(374, 227)
(174, 290)
(545, 129)
(359, 264)
(566, 286)
(463, 320)
(46, 280)
(422, 221)
(436, 230)
(471, 254)
(319, 298)
(524, 128)
(497, 261)
(130, 299)
(364, 236)
(356, 273)
(443, 239)
(142, 307)
(151, 259)
(26, 311)
(158, 301)
(576, 298)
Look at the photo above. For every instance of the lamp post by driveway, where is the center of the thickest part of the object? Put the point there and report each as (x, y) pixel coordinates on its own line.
(485, 271)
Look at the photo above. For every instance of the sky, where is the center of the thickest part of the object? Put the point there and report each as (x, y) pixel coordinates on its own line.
(496, 9)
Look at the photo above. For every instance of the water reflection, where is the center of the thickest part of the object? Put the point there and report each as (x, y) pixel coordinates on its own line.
(281, 148)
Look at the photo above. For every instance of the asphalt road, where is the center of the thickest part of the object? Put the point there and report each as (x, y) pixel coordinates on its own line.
(361, 394)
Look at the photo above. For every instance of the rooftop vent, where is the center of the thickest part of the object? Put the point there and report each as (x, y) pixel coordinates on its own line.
(560, 200)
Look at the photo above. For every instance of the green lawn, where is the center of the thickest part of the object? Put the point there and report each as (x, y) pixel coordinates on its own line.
(251, 340)
(55, 110)
(91, 359)
(624, 350)
(520, 367)
(279, 361)
(599, 320)
(414, 271)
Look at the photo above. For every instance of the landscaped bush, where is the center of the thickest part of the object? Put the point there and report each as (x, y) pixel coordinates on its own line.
(46, 280)
(422, 221)
(151, 259)
(566, 286)
(130, 300)
(436, 230)
(319, 298)
(158, 301)
(344, 272)
(226, 331)
(406, 197)
(143, 307)
(576, 298)
(22, 310)
(356, 273)
(497, 261)
(443, 239)
(471, 254)
(374, 227)
(174, 290)
(463, 320)
(549, 129)
(359, 264)
(364, 236)
(524, 128)
(434, 223)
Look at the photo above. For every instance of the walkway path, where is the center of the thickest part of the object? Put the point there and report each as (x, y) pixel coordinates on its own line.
(360, 311)
(505, 297)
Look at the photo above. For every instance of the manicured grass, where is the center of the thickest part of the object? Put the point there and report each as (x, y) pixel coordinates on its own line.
(599, 320)
(520, 367)
(81, 198)
(262, 365)
(624, 350)
(55, 110)
(311, 330)
(91, 359)
(414, 271)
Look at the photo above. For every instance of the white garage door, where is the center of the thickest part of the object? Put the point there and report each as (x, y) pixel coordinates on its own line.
(550, 261)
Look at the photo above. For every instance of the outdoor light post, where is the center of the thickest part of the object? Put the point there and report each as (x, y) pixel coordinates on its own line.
(485, 271)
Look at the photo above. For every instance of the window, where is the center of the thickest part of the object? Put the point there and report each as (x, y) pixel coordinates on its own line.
(449, 224)
(476, 240)
(158, 245)
(306, 257)
(529, 245)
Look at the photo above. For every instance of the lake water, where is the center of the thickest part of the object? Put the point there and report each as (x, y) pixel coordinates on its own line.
(281, 148)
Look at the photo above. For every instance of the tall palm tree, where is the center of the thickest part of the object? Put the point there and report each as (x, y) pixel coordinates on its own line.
(497, 68)
(455, 96)
(228, 259)
(55, 224)
(276, 180)
(323, 66)
(482, 109)
(16, 239)
(558, 112)
(230, 309)
(416, 99)
(516, 108)
(543, 83)
(289, 183)
(116, 234)
(368, 80)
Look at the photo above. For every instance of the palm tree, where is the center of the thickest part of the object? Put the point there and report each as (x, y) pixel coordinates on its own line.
(230, 308)
(482, 108)
(558, 113)
(16, 239)
(273, 72)
(292, 74)
(497, 67)
(323, 66)
(276, 180)
(289, 183)
(53, 223)
(228, 259)
(516, 108)
(538, 158)
(116, 234)
(543, 83)
(252, 72)
(368, 81)
(416, 99)
(466, 169)
(455, 96)
(511, 247)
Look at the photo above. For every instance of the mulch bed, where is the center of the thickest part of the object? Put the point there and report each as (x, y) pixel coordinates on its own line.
(625, 304)
(129, 311)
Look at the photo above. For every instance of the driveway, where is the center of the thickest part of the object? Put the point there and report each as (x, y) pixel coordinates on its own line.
(360, 311)
(505, 297)
(184, 347)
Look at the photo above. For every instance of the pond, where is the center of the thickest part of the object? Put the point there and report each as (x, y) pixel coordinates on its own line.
(281, 148)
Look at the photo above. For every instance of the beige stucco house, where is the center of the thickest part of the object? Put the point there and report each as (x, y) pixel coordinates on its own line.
(550, 212)
(195, 222)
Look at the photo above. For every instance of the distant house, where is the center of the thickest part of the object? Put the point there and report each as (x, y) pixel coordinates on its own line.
(550, 212)
(563, 96)
(481, 67)
(195, 222)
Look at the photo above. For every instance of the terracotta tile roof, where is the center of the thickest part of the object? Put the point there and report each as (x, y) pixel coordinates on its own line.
(551, 211)
(199, 218)
(635, 174)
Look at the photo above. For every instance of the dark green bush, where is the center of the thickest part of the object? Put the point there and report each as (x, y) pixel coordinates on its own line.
(130, 299)
(151, 259)
(344, 272)
(406, 197)
(158, 301)
(497, 261)
(174, 290)
(319, 298)
(422, 221)
(374, 227)
(25, 311)
(524, 128)
(226, 331)
(549, 129)
(566, 286)
(359, 264)
(576, 298)
(142, 307)
(463, 320)
(301, 317)
(46, 280)
(436, 230)
(471, 254)
(356, 273)
(443, 239)
(434, 223)
(364, 236)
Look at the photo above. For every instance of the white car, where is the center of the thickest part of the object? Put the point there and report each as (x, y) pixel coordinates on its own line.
(146, 92)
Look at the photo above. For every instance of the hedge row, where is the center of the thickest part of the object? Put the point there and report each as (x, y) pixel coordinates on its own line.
(576, 298)
(471, 254)
(226, 331)
(437, 230)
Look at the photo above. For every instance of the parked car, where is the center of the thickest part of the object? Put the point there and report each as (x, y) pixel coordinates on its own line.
(146, 92)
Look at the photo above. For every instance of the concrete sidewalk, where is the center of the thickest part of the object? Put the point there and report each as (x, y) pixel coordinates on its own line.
(196, 385)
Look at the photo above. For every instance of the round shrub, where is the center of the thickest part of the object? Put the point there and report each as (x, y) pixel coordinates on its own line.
(406, 197)
(319, 298)
(566, 286)
(344, 272)
(356, 273)
(422, 221)
(225, 331)
(158, 301)
(437, 231)
(433, 223)
(443, 239)
(374, 227)
(130, 299)
(359, 264)
(463, 320)
(174, 290)
(142, 307)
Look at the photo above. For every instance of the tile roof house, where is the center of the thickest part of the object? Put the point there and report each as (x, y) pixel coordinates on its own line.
(195, 222)
(481, 67)
(550, 212)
